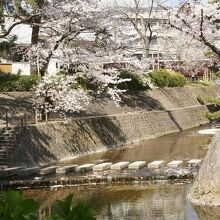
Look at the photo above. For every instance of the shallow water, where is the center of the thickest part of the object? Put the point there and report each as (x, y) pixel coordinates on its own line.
(184, 145)
(160, 201)
(127, 202)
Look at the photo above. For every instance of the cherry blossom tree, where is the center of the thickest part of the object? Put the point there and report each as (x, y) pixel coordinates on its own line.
(184, 53)
(198, 20)
(65, 28)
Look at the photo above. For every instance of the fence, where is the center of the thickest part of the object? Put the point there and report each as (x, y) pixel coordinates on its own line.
(9, 118)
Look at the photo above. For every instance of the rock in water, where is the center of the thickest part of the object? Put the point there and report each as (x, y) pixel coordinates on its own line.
(206, 187)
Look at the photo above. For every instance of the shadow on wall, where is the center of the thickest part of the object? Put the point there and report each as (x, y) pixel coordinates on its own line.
(141, 101)
(92, 133)
(52, 142)
(31, 149)
(213, 108)
(173, 119)
(16, 105)
(130, 102)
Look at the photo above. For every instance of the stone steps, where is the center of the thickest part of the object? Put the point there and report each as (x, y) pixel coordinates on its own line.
(8, 139)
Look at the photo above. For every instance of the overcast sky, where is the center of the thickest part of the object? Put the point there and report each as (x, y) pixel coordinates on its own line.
(129, 2)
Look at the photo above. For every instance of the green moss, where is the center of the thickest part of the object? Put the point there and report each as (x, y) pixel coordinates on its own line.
(201, 84)
(213, 116)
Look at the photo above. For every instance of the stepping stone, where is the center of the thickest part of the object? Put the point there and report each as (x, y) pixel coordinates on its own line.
(194, 163)
(48, 170)
(119, 166)
(102, 166)
(28, 171)
(175, 163)
(66, 169)
(10, 171)
(156, 164)
(137, 165)
(3, 167)
(84, 168)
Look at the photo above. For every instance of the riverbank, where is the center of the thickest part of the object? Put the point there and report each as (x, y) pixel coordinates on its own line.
(104, 126)
(185, 146)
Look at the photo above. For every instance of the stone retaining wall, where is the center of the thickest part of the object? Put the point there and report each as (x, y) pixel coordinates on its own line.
(206, 188)
(60, 140)
(142, 116)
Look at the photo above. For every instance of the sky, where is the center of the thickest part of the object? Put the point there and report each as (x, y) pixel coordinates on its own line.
(129, 2)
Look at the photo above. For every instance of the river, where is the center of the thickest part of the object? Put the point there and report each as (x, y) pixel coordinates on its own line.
(158, 201)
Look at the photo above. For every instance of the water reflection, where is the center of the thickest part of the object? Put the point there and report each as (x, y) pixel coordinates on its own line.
(128, 202)
(183, 145)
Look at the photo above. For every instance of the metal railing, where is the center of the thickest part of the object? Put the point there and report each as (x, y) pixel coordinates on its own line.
(21, 119)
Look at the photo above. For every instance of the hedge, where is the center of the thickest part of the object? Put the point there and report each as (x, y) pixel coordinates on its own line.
(11, 82)
(163, 78)
(134, 84)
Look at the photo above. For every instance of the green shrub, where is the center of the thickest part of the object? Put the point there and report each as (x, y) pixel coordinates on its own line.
(13, 206)
(11, 82)
(63, 210)
(213, 115)
(163, 78)
(86, 84)
(134, 84)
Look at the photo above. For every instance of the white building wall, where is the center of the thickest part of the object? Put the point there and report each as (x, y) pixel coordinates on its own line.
(22, 31)
(23, 68)
(53, 67)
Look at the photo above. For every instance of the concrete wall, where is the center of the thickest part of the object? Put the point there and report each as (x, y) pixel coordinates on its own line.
(155, 113)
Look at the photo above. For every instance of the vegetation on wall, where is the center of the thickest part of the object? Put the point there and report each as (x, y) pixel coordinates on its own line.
(212, 116)
(13, 206)
(11, 82)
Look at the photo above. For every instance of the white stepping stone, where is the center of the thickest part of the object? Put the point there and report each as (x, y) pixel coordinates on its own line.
(175, 163)
(48, 170)
(119, 165)
(137, 165)
(84, 168)
(65, 169)
(156, 164)
(194, 162)
(28, 171)
(10, 171)
(102, 166)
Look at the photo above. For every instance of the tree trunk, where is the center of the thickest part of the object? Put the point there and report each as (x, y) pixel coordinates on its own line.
(146, 46)
(35, 33)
